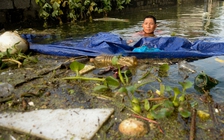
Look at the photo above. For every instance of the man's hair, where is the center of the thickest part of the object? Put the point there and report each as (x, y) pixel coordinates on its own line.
(150, 16)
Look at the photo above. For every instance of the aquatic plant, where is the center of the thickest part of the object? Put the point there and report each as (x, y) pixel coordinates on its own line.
(18, 58)
(159, 105)
(108, 82)
(72, 10)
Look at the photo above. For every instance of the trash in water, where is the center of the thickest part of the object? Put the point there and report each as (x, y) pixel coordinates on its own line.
(106, 60)
(185, 66)
(203, 82)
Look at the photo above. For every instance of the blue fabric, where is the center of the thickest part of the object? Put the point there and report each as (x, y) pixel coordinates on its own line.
(147, 47)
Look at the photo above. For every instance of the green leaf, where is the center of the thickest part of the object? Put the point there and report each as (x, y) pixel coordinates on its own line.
(182, 98)
(121, 76)
(55, 13)
(112, 82)
(185, 113)
(56, 5)
(168, 88)
(123, 90)
(46, 5)
(162, 113)
(76, 67)
(186, 85)
(162, 89)
(164, 67)
(176, 103)
(136, 108)
(163, 70)
(150, 116)
(115, 60)
(146, 105)
(131, 89)
(176, 91)
(155, 106)
(71, 91)
(100, 88)
(43, 13)
(167, 104)
(135, 100)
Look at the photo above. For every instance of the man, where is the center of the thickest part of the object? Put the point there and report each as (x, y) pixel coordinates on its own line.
(149, 25)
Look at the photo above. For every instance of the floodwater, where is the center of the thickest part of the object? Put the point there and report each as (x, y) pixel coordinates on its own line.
(192, 21)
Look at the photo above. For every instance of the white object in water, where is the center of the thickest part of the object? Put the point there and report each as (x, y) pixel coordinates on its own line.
(12, 40)
(60, 124)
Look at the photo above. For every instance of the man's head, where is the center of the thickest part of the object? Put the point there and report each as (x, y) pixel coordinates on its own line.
(149, 25)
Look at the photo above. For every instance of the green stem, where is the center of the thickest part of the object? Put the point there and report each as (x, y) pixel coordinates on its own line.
(83, 78)
(120, 76)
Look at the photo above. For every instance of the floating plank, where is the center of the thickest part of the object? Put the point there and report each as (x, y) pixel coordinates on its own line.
(111, 19)
(72, 124)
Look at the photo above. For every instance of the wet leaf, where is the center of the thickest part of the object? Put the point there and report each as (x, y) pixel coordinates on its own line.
(176, 103)
(123, 90)
(182, 98)
(135, 100)
(76, 67)
(150, 116)
(112, 82)
(167, 104)
(100, 88)
(146, 105)
(162, 89)
(114, 60)
(71, 91)
(176, 91)
(127, 74)
(186, 85)
(162, 113)
(136, 108)
(163, 70)
(168, 88)
(155, 106)
(184, 113)
(131, 89)
(203, 115)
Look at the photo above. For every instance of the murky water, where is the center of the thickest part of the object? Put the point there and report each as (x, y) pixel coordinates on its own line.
(193, 21)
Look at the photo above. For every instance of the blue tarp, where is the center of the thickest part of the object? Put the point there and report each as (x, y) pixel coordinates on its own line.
(109, 43)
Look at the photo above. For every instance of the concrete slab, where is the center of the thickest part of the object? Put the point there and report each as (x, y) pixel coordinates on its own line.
(72, 124)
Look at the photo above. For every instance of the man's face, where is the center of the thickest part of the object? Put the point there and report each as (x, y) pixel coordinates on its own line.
(149, 26)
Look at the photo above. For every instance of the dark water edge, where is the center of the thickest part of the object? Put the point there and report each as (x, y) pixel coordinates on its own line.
(28, 18)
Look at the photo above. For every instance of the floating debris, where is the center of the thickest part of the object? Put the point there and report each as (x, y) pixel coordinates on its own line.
(13, 41)
(111, 19)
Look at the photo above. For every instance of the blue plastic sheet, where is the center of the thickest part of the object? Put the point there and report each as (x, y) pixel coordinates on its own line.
(111, 44)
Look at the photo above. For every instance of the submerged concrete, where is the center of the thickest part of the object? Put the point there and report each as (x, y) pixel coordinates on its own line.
(63, 124)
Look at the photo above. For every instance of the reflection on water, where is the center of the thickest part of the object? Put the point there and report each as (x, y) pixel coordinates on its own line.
(191, 21)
